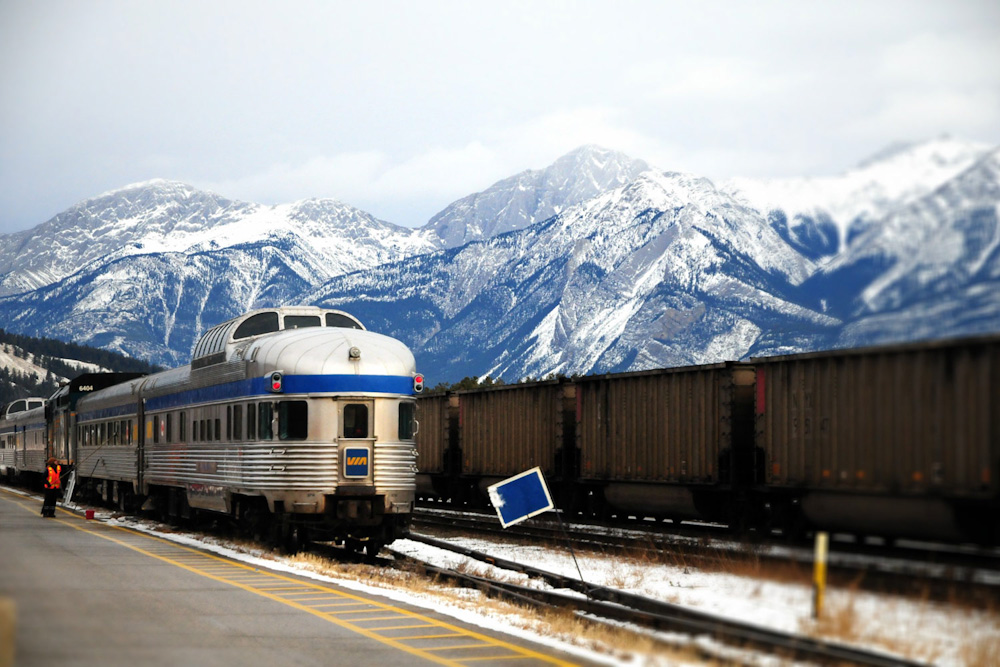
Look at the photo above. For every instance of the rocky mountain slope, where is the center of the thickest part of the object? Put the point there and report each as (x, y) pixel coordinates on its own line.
(162, 217)
(597, 263)
(822, 216)
(534, 195)
(666, 270)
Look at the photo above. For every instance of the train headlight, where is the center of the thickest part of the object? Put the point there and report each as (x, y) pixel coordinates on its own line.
(275, 382)
(418, 383)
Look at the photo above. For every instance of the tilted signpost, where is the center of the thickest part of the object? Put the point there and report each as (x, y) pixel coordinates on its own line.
(523, 496)
(520, 497)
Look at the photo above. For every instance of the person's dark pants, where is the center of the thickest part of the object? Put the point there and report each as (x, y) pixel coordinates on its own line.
(49, 504)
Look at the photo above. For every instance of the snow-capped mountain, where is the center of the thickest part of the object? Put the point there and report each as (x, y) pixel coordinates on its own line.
(821, 216)
(534, 195)
(596, 263)
(931, 267)
(169, 217)
(665, 270)
(156, 306)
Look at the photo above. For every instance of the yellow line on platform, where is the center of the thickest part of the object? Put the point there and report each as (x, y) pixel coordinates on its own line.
(100, 530)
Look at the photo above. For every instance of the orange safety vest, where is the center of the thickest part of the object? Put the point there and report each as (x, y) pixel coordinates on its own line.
(53, 479)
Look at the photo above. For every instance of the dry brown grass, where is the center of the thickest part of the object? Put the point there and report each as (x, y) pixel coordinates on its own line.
(843, 621)
(567, 626)
(982, 653)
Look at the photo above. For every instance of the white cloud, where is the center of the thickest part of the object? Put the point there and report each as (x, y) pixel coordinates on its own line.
(717, 78)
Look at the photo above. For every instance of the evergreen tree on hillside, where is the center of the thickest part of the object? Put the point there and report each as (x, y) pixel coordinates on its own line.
(55, 358)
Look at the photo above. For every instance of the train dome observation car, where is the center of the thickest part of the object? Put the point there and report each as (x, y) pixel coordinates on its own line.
(295, 420)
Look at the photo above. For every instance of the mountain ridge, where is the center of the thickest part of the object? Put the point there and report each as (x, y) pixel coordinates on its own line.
(649, 268)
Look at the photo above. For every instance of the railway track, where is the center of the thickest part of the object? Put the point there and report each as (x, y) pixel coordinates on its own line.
(603, 604)
(935, 571)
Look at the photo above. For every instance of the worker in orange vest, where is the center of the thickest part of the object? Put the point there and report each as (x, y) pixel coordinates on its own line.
(52, 486)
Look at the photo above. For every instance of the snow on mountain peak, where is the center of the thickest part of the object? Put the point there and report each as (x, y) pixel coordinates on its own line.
(163, 216)
(531, 196)
(892, 177)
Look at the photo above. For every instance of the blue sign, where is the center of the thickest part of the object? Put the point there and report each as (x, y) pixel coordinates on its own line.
(356, 462)
(520, 497)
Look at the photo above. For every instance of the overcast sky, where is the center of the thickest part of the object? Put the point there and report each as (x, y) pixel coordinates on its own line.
(399, 108)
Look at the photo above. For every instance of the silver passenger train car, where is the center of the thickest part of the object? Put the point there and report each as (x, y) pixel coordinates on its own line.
(23, 437)
(296, 422)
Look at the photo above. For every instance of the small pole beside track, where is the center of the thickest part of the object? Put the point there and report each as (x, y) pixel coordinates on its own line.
(819, 573)
(523, 496)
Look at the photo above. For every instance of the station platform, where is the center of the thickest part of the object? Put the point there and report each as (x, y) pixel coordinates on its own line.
(78, 592)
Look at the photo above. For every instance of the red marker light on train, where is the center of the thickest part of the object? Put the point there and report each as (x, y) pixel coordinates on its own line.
(418, 383)
(276, 382)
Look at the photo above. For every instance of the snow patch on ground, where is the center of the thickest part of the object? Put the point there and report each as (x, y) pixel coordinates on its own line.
(879, 622)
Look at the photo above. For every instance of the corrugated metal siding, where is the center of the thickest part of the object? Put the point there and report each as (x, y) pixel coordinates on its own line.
(434, 432)
(909, 420)
(32, 460)
(512, 429)
(249, 466)
(394, 467)
(119, 463)
(654, 426)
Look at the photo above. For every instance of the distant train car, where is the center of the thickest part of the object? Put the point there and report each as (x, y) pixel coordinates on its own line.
(897, 441)
(673, 443)
(437, 440)
(23, 438)
(471, 439)
(60, 411)
(295, 421)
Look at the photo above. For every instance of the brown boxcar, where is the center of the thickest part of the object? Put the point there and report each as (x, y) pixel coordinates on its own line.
(901, 440)
(506, 430)
(669, 442)
(434, 437)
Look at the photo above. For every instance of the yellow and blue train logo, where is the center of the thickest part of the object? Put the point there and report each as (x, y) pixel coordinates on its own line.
(356, 462)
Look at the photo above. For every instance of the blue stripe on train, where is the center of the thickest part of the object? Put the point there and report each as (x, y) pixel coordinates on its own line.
(256, 387)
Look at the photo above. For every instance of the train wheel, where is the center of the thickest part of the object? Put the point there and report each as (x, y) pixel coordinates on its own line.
(372, 547)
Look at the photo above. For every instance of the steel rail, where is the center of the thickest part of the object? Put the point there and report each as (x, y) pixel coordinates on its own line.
(618, 605)
(936, 574)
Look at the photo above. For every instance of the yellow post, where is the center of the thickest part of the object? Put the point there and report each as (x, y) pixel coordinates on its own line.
(8, 620)
(819, 573)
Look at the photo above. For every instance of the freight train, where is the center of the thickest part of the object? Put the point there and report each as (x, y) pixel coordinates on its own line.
(297, 423)
(900, 441)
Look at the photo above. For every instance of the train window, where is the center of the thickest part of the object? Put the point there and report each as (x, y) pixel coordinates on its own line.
(407, 423)
(237, 422)
(183, 425)
(170, 432)
(218, 429)
(194, 430)
(293, 420)
(301, 321)
(229, 423)
(265, 412)
(355, 420)
(251, 421)
(261, 323)
(156, 428)
(341, 321)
